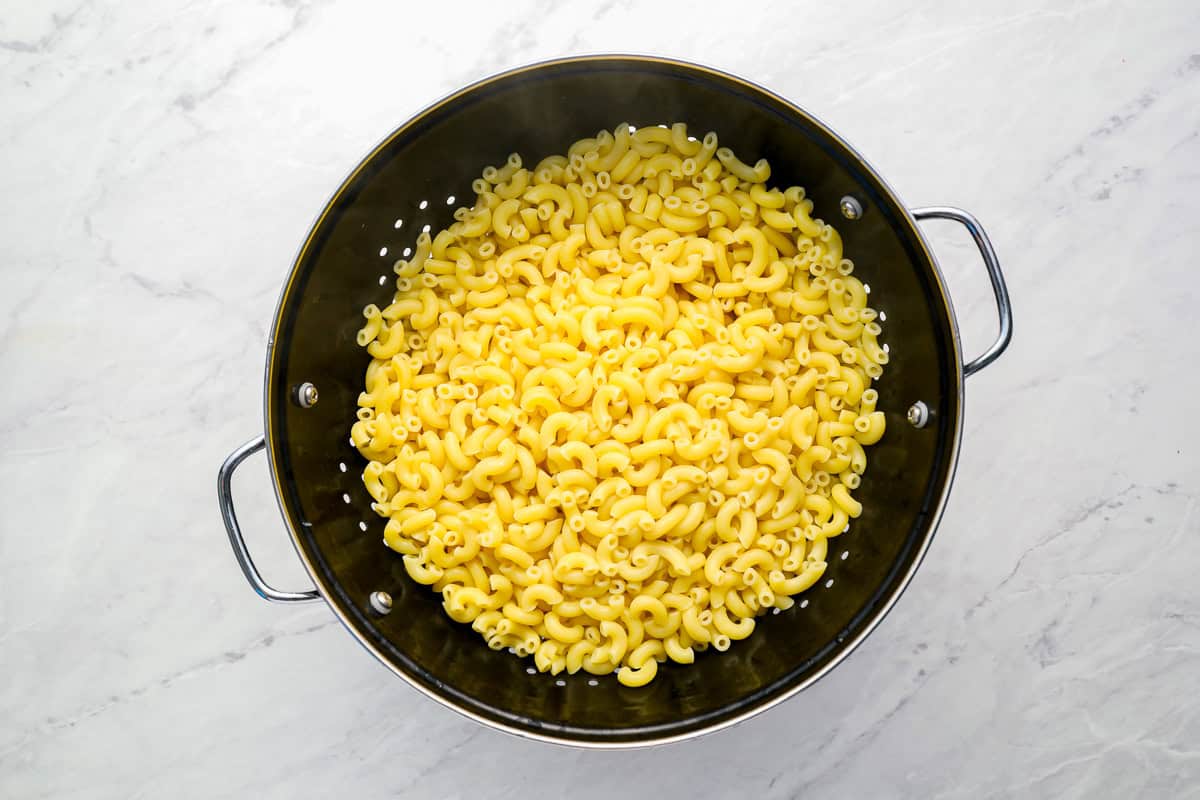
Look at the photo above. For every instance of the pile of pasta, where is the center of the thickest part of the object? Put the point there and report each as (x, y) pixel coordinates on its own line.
(616, 410)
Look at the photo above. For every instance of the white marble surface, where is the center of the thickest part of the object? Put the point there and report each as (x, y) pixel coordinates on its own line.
(162, 160)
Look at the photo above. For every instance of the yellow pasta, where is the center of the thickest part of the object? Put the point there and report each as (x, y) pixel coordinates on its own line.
(617, 408)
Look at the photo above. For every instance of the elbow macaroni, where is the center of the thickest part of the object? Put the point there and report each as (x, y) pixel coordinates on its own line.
(616, 409)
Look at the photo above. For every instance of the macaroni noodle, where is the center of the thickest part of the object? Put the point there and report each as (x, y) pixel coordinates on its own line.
(617, 408)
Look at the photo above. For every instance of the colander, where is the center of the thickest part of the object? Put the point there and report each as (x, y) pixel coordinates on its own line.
(412, 182)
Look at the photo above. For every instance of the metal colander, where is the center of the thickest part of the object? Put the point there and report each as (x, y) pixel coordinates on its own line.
(410, 183)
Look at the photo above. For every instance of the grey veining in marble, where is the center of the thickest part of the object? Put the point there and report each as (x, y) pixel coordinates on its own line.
(161, 162)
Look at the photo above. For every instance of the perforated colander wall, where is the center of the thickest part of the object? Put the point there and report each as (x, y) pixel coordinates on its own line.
(403, 189)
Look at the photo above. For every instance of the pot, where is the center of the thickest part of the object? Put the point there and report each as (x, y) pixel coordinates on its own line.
(315, 372)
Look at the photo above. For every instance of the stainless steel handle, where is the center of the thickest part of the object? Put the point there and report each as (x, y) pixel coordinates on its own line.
(993, 267)
(225, 498)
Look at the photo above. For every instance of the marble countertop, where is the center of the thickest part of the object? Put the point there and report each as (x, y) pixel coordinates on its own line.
(161, 162)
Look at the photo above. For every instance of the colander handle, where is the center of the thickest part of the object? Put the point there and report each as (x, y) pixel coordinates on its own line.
(968, 221)
(225, 498)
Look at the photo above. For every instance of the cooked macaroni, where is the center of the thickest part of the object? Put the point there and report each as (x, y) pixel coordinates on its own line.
(616, 410)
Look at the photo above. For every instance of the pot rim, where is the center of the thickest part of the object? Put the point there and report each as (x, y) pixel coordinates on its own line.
(849, 645)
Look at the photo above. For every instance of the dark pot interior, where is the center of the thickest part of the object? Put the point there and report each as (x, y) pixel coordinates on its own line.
(536, 112)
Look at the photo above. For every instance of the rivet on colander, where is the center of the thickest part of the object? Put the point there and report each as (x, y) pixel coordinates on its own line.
(918, 414)
(851, 208)
(305, 395)
(381, 602)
